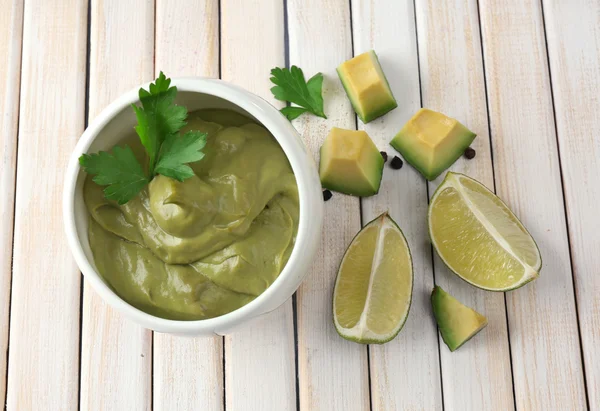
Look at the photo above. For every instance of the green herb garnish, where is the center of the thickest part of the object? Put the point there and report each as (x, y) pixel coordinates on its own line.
(119, 170)
(169, 152)
(177, 151)
(291, 86)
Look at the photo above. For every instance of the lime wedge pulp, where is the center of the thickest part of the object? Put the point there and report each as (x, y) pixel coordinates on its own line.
(373, 288)
(479, 238)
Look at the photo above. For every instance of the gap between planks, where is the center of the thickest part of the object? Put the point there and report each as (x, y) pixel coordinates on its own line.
(11, 44)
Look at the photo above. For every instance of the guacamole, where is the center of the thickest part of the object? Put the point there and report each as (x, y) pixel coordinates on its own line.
(203, 247)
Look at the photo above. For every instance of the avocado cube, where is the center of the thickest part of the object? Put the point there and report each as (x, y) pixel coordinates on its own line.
(431, 142)
(457, 322)
(350, 163)
(366, 86)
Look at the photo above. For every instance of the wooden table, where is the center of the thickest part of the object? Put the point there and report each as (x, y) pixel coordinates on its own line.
(523, 74)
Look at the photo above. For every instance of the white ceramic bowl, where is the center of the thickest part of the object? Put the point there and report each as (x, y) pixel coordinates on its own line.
(118, 119)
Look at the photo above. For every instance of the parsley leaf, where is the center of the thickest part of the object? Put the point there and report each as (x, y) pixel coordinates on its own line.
(179, 150)
(119, 170)
(147, 130)
(291, 86)
(159, 101)
(293, 112)
(315, 86)
(169, 152)
(158, 117)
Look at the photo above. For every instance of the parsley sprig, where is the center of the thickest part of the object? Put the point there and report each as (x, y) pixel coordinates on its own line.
(291, 86)
(169, 152)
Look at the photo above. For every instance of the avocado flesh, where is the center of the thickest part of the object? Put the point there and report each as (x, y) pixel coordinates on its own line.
(366, 86)
(431, 142)
(457, 322)
(350, 163)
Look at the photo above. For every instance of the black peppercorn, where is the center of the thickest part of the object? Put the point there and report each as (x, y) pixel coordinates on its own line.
(384, 155)
(327, 195)
(470, 153)
(397, 163)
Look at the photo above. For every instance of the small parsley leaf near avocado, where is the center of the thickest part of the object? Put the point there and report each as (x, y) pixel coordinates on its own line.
(169, 152)
(290, 85)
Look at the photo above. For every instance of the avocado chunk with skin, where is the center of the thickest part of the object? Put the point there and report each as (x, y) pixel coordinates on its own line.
(431, 142)
(457, 322)
(350, 163)
(366, 86)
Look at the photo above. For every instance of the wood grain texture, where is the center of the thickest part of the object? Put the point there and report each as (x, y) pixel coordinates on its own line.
(333, 373)
(547, 365)
(400, 381)
(259, 364)
(573, 36)
(187, 38)
(252, 42)
(478, 376)
(188, 372)
(11, 34)
(116, 354)
(44, 339)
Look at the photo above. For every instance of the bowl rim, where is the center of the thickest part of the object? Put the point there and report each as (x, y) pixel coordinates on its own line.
(308, 231)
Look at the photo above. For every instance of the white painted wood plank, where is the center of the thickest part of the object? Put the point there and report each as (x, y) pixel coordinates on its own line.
(11, 34)
(261, 375)
(333, 372)
(544, 339)
(252, 44)
(44, 339)
(260, 359)
(573, 34)
(116, 354)
(478, 376)
(399, 380)
(187, 38)
(188, 372)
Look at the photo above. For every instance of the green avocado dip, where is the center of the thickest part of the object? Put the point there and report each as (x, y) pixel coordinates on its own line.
(206, 246)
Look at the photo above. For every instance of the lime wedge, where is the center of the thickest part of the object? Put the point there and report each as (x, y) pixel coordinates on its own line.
(373, 288)
(479, 238)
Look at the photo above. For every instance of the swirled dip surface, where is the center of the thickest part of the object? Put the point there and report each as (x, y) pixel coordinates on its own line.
(206, 246)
